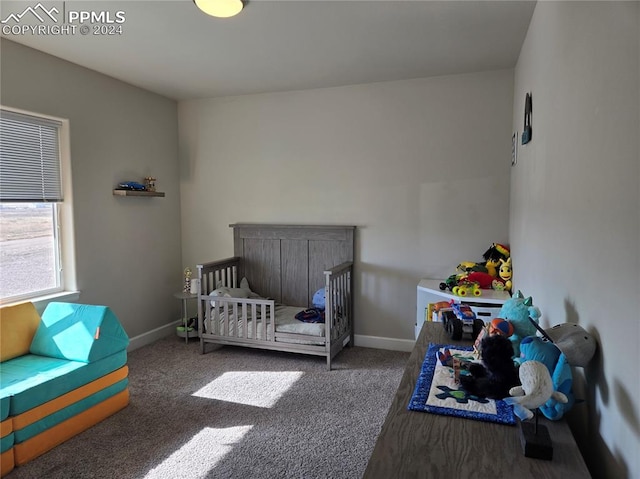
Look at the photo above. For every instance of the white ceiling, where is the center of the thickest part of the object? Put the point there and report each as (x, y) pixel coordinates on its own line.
(172, 48)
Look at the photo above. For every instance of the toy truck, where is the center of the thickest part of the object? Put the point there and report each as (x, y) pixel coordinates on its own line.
(467, 289)
(450, 282)
(459, 320)
(460, 286)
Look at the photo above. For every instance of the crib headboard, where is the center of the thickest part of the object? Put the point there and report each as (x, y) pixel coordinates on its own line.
(286, 262)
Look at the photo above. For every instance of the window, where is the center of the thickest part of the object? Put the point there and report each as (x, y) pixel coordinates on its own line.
(33, 155)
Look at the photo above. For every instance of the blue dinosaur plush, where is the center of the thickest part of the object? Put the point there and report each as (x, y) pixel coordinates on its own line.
(563, 382)
(534, 348)
(517, 310)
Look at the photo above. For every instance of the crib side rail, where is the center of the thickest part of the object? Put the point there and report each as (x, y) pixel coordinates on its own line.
(336, 270)
(241, 318)
(339, 301)
(223, 272)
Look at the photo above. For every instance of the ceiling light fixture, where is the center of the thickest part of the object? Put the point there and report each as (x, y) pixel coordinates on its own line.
(220, 8)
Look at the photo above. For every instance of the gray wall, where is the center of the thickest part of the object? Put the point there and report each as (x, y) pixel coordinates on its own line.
(574, 220)
(421, 167)
(127, 249)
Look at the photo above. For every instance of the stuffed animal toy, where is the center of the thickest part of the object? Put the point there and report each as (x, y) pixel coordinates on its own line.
(496, 326)
(492, 257)
(318, 300)
(567, 345)
(534, 348)
(496, 252)
(574, 342)
(488, 270)
(517, 310)
(492, 267)
(242, 292)
(501, 326)
(506, 273)
(486, 281)
(497, 374)
(536, 390)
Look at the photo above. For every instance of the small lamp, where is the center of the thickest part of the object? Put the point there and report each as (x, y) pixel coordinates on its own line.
(220, 8)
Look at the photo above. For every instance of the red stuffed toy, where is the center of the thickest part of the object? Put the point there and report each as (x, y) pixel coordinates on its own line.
(485, 280)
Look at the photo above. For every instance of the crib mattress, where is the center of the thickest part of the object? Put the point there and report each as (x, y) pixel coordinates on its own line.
(286, 322)
(31, 380)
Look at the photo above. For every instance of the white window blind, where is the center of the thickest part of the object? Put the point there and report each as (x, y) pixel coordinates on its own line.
(29, 158)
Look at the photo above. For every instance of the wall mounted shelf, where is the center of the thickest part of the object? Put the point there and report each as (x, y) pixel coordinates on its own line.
(137, 193)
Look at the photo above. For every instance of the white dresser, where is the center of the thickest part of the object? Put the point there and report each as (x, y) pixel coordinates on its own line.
(485, 306)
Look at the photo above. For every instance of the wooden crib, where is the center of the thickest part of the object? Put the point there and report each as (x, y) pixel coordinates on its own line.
(284, 265)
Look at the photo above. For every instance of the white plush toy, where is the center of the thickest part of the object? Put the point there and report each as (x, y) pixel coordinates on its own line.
(242, 292)
(536, 389)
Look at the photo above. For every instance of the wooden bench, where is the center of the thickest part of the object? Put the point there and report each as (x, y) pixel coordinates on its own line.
(422, 445)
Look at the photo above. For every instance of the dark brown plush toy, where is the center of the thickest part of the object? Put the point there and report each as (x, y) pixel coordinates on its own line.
(497, 374)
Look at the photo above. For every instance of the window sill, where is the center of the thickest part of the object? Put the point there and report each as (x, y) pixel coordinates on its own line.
(41, 302)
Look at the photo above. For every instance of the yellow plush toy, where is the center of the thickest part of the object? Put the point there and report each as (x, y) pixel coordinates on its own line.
(496, 253)
(506, 273)
(492, 266)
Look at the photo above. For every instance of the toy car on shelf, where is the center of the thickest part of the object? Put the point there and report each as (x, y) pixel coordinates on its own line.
(460, 286)
(459, 320)
(131, 186)
(467, 289)
(449, 283)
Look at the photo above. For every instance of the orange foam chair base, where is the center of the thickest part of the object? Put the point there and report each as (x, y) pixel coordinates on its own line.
(47, 440)
(6, 462)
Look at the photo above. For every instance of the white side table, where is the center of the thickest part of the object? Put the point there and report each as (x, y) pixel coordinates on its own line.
(185, 297)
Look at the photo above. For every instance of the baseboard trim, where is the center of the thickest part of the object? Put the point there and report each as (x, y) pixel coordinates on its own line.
(153, 335)
(378, 342)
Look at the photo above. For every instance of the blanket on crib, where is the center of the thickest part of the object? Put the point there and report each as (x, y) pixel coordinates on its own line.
(286, 322)
(311, 315)
(437, 392)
